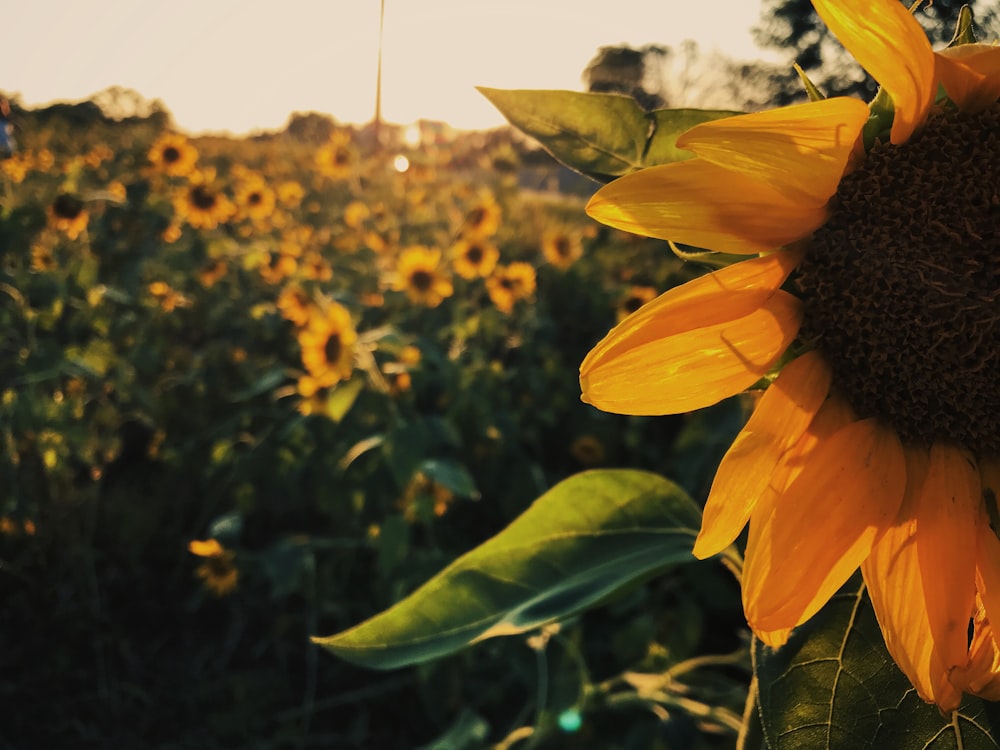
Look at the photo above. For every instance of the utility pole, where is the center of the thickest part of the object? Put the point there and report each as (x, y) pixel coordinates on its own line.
(377, 130)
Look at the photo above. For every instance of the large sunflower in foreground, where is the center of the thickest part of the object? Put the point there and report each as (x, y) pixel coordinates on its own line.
(877, 446)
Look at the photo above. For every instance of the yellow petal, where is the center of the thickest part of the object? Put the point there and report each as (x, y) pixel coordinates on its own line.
(888, 42)
(823, 525)
(970, 74)
(702, 204)
(921, 576)
(681, 372)
(779, 420)
(800, 151)
(981, 675)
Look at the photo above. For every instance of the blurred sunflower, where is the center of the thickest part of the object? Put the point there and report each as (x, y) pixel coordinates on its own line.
(588, 450)
(419, 274)
(636, 297)
(203, 205)
(327, 344)
(878, 445)
(68, 214)
(315, 267)
(255, 199)
(483, 219)
(561, 247)
(168, 298)
(218, 572)
(474, 258)
(277, 266)
(510, 283)
(336, 158)
(211, 272)
(173, 155)
(290, 193)
(355, 214)
(294, 305)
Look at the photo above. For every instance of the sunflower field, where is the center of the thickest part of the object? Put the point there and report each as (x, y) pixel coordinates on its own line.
(258, 390)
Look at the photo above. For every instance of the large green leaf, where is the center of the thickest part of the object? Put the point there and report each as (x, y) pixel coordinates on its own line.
(603, 136)
(834, 685)
(582, 540)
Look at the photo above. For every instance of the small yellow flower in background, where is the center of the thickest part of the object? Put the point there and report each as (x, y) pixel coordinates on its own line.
(210, 273)
(483, 219)
(474, 258)
(327, 344)
(636, 297)
(336, 158)
(42, 258)
(255, 199)
(218, 572)
(355, 214)
(419, 274)
(508, 284)
(117, 191)
(294, 305)
(68, 215)
(878, 442)
(172, 233)
(16, 167)
(203, 205)
(561, 247)
(410, 355)
(98, 154)
(173, 155)
(167, 298)
(277, 266)
(290, 193)
(315, 267)
(423, 488)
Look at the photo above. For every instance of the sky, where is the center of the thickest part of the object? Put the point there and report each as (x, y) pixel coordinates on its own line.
(242, 65)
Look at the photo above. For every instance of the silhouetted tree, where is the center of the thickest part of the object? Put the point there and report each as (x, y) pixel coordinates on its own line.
(624, 70)
(793, 26)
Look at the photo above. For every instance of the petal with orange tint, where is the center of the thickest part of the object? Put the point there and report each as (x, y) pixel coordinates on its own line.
(823, 525)
(717, 297)
(889, 43)
(970, 74)
(779, 420)
(921, 576)
(800, 151)
(981, 676)
(674, 373)
(702, 204)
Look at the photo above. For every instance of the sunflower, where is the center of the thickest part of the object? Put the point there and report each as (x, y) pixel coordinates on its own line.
(255, 199)
(290, 193)
(327, 344)
(474, 258)
(203, 205)
(634, 298)
(212, 271)
(294, 305)
(68, 215)
(277, 266)
(561, 248)
(510, 283)
(483, 219)
(173, 155)
(355, 214)
(336, 157)
(218, 572)
(877, 446)
(419, 274)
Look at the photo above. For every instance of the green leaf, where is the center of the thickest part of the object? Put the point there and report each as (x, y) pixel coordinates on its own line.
(834, 685)
(603, 136)
(451, 475)
(584, 539)
(342, 398)
(964, 31)
(668, 124)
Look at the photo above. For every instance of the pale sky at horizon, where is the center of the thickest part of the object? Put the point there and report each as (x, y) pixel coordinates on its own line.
(240, 65)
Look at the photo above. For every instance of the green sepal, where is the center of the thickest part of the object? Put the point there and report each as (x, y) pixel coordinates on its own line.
(579, 543)
(963, 29)
(812, 91)
(834, 685)
(602, 136)
(880, 114)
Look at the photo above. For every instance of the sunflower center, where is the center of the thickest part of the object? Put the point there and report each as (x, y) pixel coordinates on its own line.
(202, 198)
(333, 348)
(171, 154)
(421, 280)
(902, 285)
(474, 254)
(67, 206)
